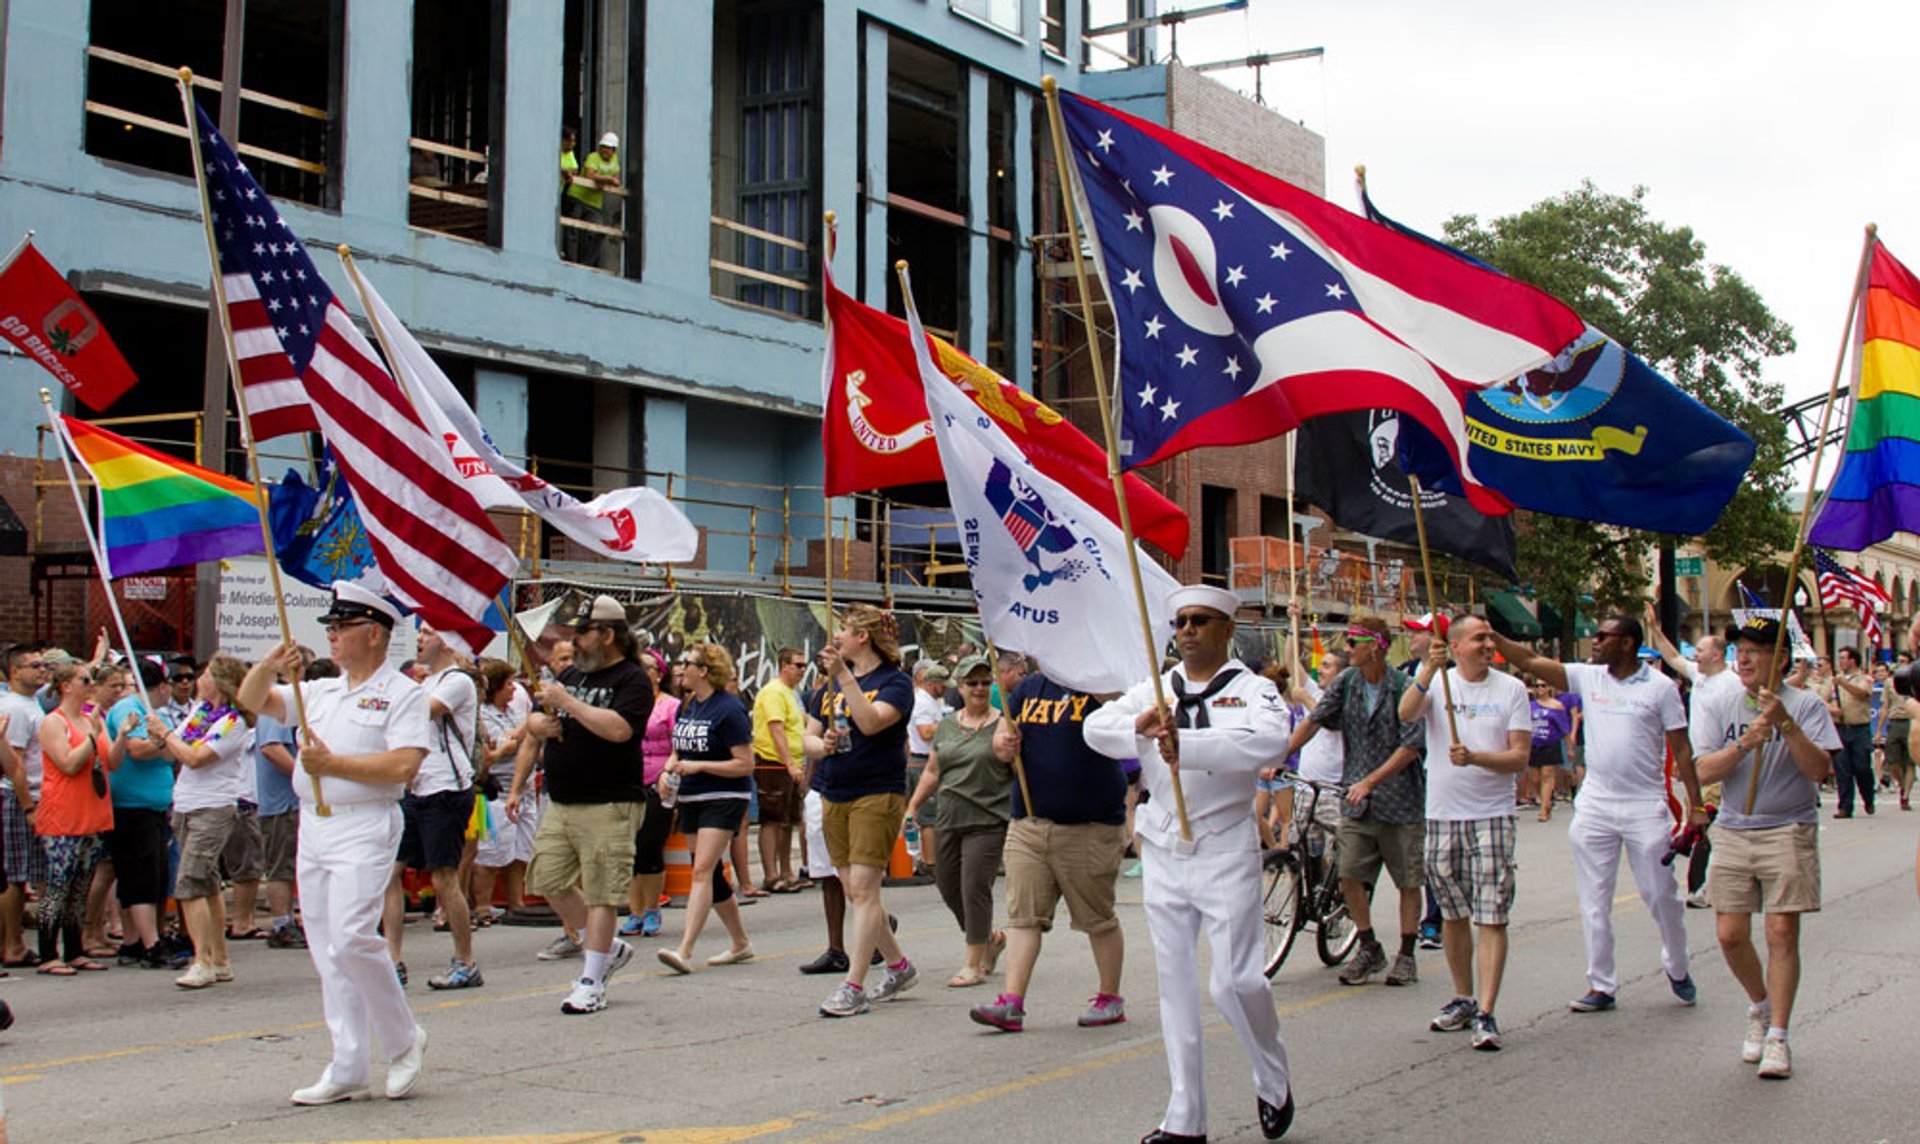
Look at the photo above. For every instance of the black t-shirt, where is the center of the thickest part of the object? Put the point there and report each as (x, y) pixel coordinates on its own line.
(1071, 782)
(810, 703)
(707, 732)
(876, 765)
(581, 766)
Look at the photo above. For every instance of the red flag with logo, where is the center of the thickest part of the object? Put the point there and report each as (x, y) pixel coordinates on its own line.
(876, 432)
(46, 319)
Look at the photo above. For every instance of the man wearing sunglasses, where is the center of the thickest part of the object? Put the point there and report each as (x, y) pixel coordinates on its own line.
(364, 737)
(1633, 718)
(1222, 725)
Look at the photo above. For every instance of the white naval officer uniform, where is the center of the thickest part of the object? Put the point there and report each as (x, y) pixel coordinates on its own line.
(1623, 806)
(1214, 880)
(346, 858)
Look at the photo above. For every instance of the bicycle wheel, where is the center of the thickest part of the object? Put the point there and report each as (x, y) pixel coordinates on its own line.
(1334, 933)
(1280, 906)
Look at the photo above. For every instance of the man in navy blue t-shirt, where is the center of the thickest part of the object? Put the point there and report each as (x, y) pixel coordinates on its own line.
(1069, 844)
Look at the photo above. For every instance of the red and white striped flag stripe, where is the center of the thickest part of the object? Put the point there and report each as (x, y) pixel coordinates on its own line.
(306, 366)
(1839, 586)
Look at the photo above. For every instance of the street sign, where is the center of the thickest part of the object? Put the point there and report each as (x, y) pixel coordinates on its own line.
(1689, 566)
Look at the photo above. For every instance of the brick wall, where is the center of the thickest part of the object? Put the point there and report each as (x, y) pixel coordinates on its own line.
(1223, 119)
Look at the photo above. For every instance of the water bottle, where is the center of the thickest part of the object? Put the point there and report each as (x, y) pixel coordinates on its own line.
(843, 725)
(912, 834)
(672, 796)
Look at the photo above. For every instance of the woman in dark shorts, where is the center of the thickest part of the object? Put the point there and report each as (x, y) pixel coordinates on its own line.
(650, 841)
(713, 759)
(1552, 722)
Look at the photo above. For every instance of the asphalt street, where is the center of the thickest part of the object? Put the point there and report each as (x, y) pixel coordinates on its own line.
(740, 1054)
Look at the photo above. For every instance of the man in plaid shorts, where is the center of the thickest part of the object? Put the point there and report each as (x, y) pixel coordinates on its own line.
(1478, 737)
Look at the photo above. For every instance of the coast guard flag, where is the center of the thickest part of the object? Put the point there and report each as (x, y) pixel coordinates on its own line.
(1049, 572)
(1245, 305)
(636, 524)
(305, 366)
(1594, 434)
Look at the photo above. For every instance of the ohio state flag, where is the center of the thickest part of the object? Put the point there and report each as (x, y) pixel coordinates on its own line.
(46, 319)
(877, 434)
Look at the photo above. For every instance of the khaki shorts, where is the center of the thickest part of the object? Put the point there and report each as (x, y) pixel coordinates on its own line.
(1367, 844)
(240, 860)
(587, 842)
(861, 832)
(1047, 861)
(1771, 871)
(202, 836)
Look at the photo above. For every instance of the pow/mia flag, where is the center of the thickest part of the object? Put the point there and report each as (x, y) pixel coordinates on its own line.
(1348, 464)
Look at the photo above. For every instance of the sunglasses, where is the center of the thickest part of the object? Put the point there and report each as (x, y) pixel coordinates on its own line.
(976, 683)
(1196, 621)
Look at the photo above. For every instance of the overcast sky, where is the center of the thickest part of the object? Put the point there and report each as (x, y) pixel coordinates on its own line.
(1775, 130)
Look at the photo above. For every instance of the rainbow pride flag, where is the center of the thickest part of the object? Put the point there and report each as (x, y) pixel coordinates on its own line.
(1876, 489)
(159, 512)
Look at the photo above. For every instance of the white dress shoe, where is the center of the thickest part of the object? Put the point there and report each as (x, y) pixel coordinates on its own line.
(404, 1072)
(327, 1092)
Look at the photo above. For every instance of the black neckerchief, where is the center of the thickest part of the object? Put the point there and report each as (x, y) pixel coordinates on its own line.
(1193, 708)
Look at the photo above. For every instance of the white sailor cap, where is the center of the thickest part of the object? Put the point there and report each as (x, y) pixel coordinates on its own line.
(1203, 596)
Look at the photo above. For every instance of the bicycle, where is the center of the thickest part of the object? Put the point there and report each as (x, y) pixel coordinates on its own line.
(1301, 888)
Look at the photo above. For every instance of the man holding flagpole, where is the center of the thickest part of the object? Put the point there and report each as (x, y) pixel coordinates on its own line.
(365, 737)
(1226, 724)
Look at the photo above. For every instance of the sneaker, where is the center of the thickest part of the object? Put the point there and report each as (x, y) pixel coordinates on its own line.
(400, 971)
(559, 949)
(1429, 937)
(1132, 871)
(1103, 1009)
(1594, 1002)
(830, 961)
(1685, 990)
(630, 926)
(588, 996)
(1006, 1013)
(1456, 1015)
(1486, 1032)
(1367, 961)
(847, 1001)
(199, 975)
(1754, 1045)
(1698, 900)
(1405, 971)
(1776, 1060)
(223, 973)
(896, 982)
(650, 923)
(617, 959)
(459, 975)
(131, 953)
(289, 936)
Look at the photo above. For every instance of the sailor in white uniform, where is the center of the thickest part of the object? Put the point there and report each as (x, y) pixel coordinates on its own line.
(1227, 723)
(366, 735)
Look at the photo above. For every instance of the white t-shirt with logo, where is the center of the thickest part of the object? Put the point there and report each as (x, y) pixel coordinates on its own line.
(1627, 721)
(1486, 711)
(217, 784)
(449, 762)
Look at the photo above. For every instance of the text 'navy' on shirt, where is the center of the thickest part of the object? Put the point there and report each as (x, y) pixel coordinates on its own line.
(1071, 782)
(874, 764)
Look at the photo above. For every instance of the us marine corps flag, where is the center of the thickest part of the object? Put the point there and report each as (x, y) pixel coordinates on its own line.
(1349, 465)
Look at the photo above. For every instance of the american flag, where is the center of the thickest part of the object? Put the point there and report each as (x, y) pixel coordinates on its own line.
(1839, 586)
(1245, 305)
(306, 368)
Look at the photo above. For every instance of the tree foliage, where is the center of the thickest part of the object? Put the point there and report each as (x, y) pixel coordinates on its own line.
(1651, 287)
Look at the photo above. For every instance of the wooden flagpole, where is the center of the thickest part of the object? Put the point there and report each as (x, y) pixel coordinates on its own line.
(1067, 179)
(320, 806)
(1813, 484)
(67, 452)
(826, 502)
(1433, 604)
(1293, 563)
(1006, 712)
